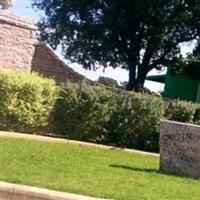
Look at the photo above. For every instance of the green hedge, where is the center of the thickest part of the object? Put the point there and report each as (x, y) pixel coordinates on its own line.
(108, 115)
(181, 111)
(82, 111)
(30, 103)
(196, 119)
(26, 101)
(135, 121)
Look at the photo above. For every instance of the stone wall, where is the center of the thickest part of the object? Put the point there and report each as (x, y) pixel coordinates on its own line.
(180, 148)
(20, 51)
(47, 63)
(16, 42)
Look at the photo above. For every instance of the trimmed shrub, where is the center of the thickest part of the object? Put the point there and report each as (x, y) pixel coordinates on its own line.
(135, 121)
(181, 111)
(26, 101)
(108, 115)
(30, 103)
(82, 111)
(197, 115)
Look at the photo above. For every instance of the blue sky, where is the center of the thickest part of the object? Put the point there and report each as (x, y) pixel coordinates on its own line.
(24, 8)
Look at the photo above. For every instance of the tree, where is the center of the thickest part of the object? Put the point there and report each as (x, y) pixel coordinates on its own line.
(193, 63)
(189, 66)
(137, 35)
(108, 81)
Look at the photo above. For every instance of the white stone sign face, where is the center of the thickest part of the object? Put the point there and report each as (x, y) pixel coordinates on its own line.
(5, 4)
(180, 148)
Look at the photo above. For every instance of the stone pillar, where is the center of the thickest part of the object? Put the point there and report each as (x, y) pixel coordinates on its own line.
(16, 42)
(5, 4)
(180, 148)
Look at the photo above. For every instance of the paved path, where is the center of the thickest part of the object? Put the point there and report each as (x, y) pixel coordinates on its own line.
(10, 191)
(65, 141)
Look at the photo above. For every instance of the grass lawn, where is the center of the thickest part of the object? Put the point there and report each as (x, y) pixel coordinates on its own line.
(91, 171)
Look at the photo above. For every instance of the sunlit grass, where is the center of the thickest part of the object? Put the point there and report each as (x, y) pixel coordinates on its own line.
(91, 171)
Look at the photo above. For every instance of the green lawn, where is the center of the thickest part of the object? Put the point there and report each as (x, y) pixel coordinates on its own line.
(91, 171)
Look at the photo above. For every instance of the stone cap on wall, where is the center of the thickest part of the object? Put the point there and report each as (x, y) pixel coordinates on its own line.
(8, 17)
(60, 61)
(166, 122)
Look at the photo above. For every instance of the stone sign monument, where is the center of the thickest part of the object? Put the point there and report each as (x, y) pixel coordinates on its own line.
(180, 148)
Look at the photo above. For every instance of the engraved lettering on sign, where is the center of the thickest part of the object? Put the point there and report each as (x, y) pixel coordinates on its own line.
(180, 148)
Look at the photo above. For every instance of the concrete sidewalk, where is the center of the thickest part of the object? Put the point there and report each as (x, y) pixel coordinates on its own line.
(65, 141)
(10, 191)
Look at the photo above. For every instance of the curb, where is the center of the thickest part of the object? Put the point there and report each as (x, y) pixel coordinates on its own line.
(10, 191)
(66, 141)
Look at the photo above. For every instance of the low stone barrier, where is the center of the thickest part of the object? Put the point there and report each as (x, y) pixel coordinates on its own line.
(180, 148)
(10, 191)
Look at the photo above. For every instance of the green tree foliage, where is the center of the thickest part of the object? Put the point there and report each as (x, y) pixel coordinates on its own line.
(193, 66)
(189, 66)
(137, 35)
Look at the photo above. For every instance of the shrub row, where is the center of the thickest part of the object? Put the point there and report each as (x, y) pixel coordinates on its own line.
(114, 116)
(182, 111)
(196, 118)
(135, 120)
(25, 101)
(29, 103)
(82, 111)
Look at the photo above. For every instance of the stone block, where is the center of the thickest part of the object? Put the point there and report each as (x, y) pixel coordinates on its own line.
(16, 42)
(180, 148)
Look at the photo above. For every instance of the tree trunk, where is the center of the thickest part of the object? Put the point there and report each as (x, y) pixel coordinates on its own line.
(136, 80)
(139, 86)
(132, 77)
(141, 76)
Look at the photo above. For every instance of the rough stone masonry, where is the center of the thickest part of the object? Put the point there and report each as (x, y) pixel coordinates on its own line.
(20, 50)
(180, 148)
(16, 42)
(5, 4)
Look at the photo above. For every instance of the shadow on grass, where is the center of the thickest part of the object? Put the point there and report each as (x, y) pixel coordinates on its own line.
(135, 168)
(149, 170)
